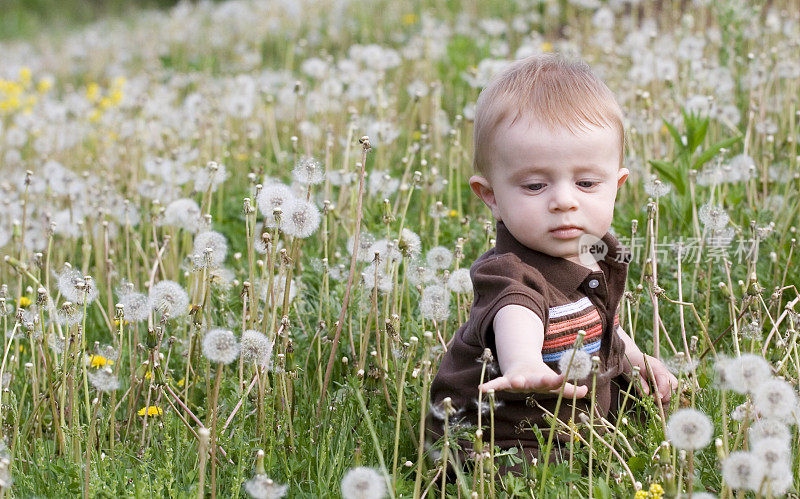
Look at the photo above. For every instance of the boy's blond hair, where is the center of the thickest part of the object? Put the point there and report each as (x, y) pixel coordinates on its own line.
(548, 89)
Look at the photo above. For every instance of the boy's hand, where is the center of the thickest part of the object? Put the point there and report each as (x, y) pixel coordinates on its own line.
(537, 378)
(663, 380)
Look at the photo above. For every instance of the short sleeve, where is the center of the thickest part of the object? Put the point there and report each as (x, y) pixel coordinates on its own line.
(500, 281)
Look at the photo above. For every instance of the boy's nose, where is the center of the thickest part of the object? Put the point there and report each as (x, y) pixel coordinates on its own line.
(562, 199)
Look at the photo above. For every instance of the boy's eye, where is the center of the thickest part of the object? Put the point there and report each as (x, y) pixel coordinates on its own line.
(535, 187)
(586, 183)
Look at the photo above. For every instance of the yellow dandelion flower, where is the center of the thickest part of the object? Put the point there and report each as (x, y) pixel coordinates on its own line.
(417, 135)
(92, 91)
(547, 47)
(44, 85)
(24, 301)
(25, 76)
(95, 116)
(97, 361)
(118, 83)
(148, 375)
(409, 19)
(240, 156)
(105, 103)
(656, 491)
(151, 410)
(116, 96)
(641, 494)
(182, 382)
(452, 213)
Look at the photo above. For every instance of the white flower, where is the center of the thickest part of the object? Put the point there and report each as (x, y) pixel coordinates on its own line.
(103, 380)
(774, 452)
(689, 429)
(210, 177)
(409, 243)
(262, 487)
(460, 281)
(363, 483)
(418, 274)
(210, 240)
(743, 470)
(308, 171)
(775, 398)
(136, 306)
(271, 197)
(657, 189)
(365, 241)
(439, 258)
(386, 249)
(435, 303)
(575, 367)
(256, 348)
(183, 213)
(300, 218)
(75, 287)
(385, 282)
(168, 297)
(713, 217)
(767, 428)
(745, 373)
(220, 345)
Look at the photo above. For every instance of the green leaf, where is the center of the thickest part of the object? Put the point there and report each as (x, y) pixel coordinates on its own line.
(602, 490)
(698, 135)
(668, 171)
(638, 463)
(712, 151)
(676, 135)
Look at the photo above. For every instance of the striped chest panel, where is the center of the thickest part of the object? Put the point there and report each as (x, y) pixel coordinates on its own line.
(565, 322)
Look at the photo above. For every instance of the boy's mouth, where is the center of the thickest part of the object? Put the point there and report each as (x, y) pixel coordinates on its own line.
(566, 232)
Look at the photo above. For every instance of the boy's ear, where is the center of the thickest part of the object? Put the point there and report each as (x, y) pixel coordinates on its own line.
(483, 189)
(622, 176)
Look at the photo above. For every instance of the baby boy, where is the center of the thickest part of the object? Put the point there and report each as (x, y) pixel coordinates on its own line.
(548, 159)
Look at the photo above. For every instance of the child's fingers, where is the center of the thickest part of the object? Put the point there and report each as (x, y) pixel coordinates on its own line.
(497, 384)
(666, 382)
(571, 390)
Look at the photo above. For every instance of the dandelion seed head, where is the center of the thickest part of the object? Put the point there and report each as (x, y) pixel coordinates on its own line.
(136, 306)
(273, 196)
(213, 241)
(384, 282)
(363, 483)
(409, 243)
(775, 398)
(689, 429)
(183, 213)
(210, 177)
(418, 274)
(747, 372)
(365, 242)
(743, 470)
(256, 348)
(435, 303)
(300, 218)
(775, 453)
(767, 429)
(69, 314)
(657, 189)
(460, 281)
(681, 364)
(263, 487)
(713, 217)
(308, 171)
(580, 366)
(103, 380)
(169, 297)
(220, 345)
(439, 258)
(74, 287)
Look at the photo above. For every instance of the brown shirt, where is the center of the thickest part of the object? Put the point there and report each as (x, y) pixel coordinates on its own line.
(567, 297)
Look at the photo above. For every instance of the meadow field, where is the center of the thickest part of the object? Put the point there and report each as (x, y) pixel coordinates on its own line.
(235, 238)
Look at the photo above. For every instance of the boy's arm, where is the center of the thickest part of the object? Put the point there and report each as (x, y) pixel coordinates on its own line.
(519, 336)
(664, 381)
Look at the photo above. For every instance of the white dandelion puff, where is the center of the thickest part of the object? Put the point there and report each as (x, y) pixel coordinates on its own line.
(775, 398)
(768, 429)
(256, 348)
(263, 487)
(775, 454)
(365, 241)
(743, 470)
(169, 297)
(460, 281)
(439, 258)
(363, 483)
(76, 288)
(210, 177)
(580, 366)
(713, 217)
(103, 380)
(745, 373)
(69, 314)
(386, 249)
(384, 283)
(213, 241)
(273, 196)
(689, 429)
(183, 213)
(657, 189)
(220, 345)
(308, 171)
(300, 218)
(136, 306)
(435, 303)
(409, 243)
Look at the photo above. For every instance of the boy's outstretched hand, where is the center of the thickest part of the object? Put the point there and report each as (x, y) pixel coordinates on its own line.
(537, 378)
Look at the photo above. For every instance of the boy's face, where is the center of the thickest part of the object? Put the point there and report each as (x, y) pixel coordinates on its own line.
(550, 187)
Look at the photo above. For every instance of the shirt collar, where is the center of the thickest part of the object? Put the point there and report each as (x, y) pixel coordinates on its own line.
(563, 274)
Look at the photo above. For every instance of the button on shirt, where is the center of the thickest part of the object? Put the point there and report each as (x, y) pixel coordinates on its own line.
(567, 297)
